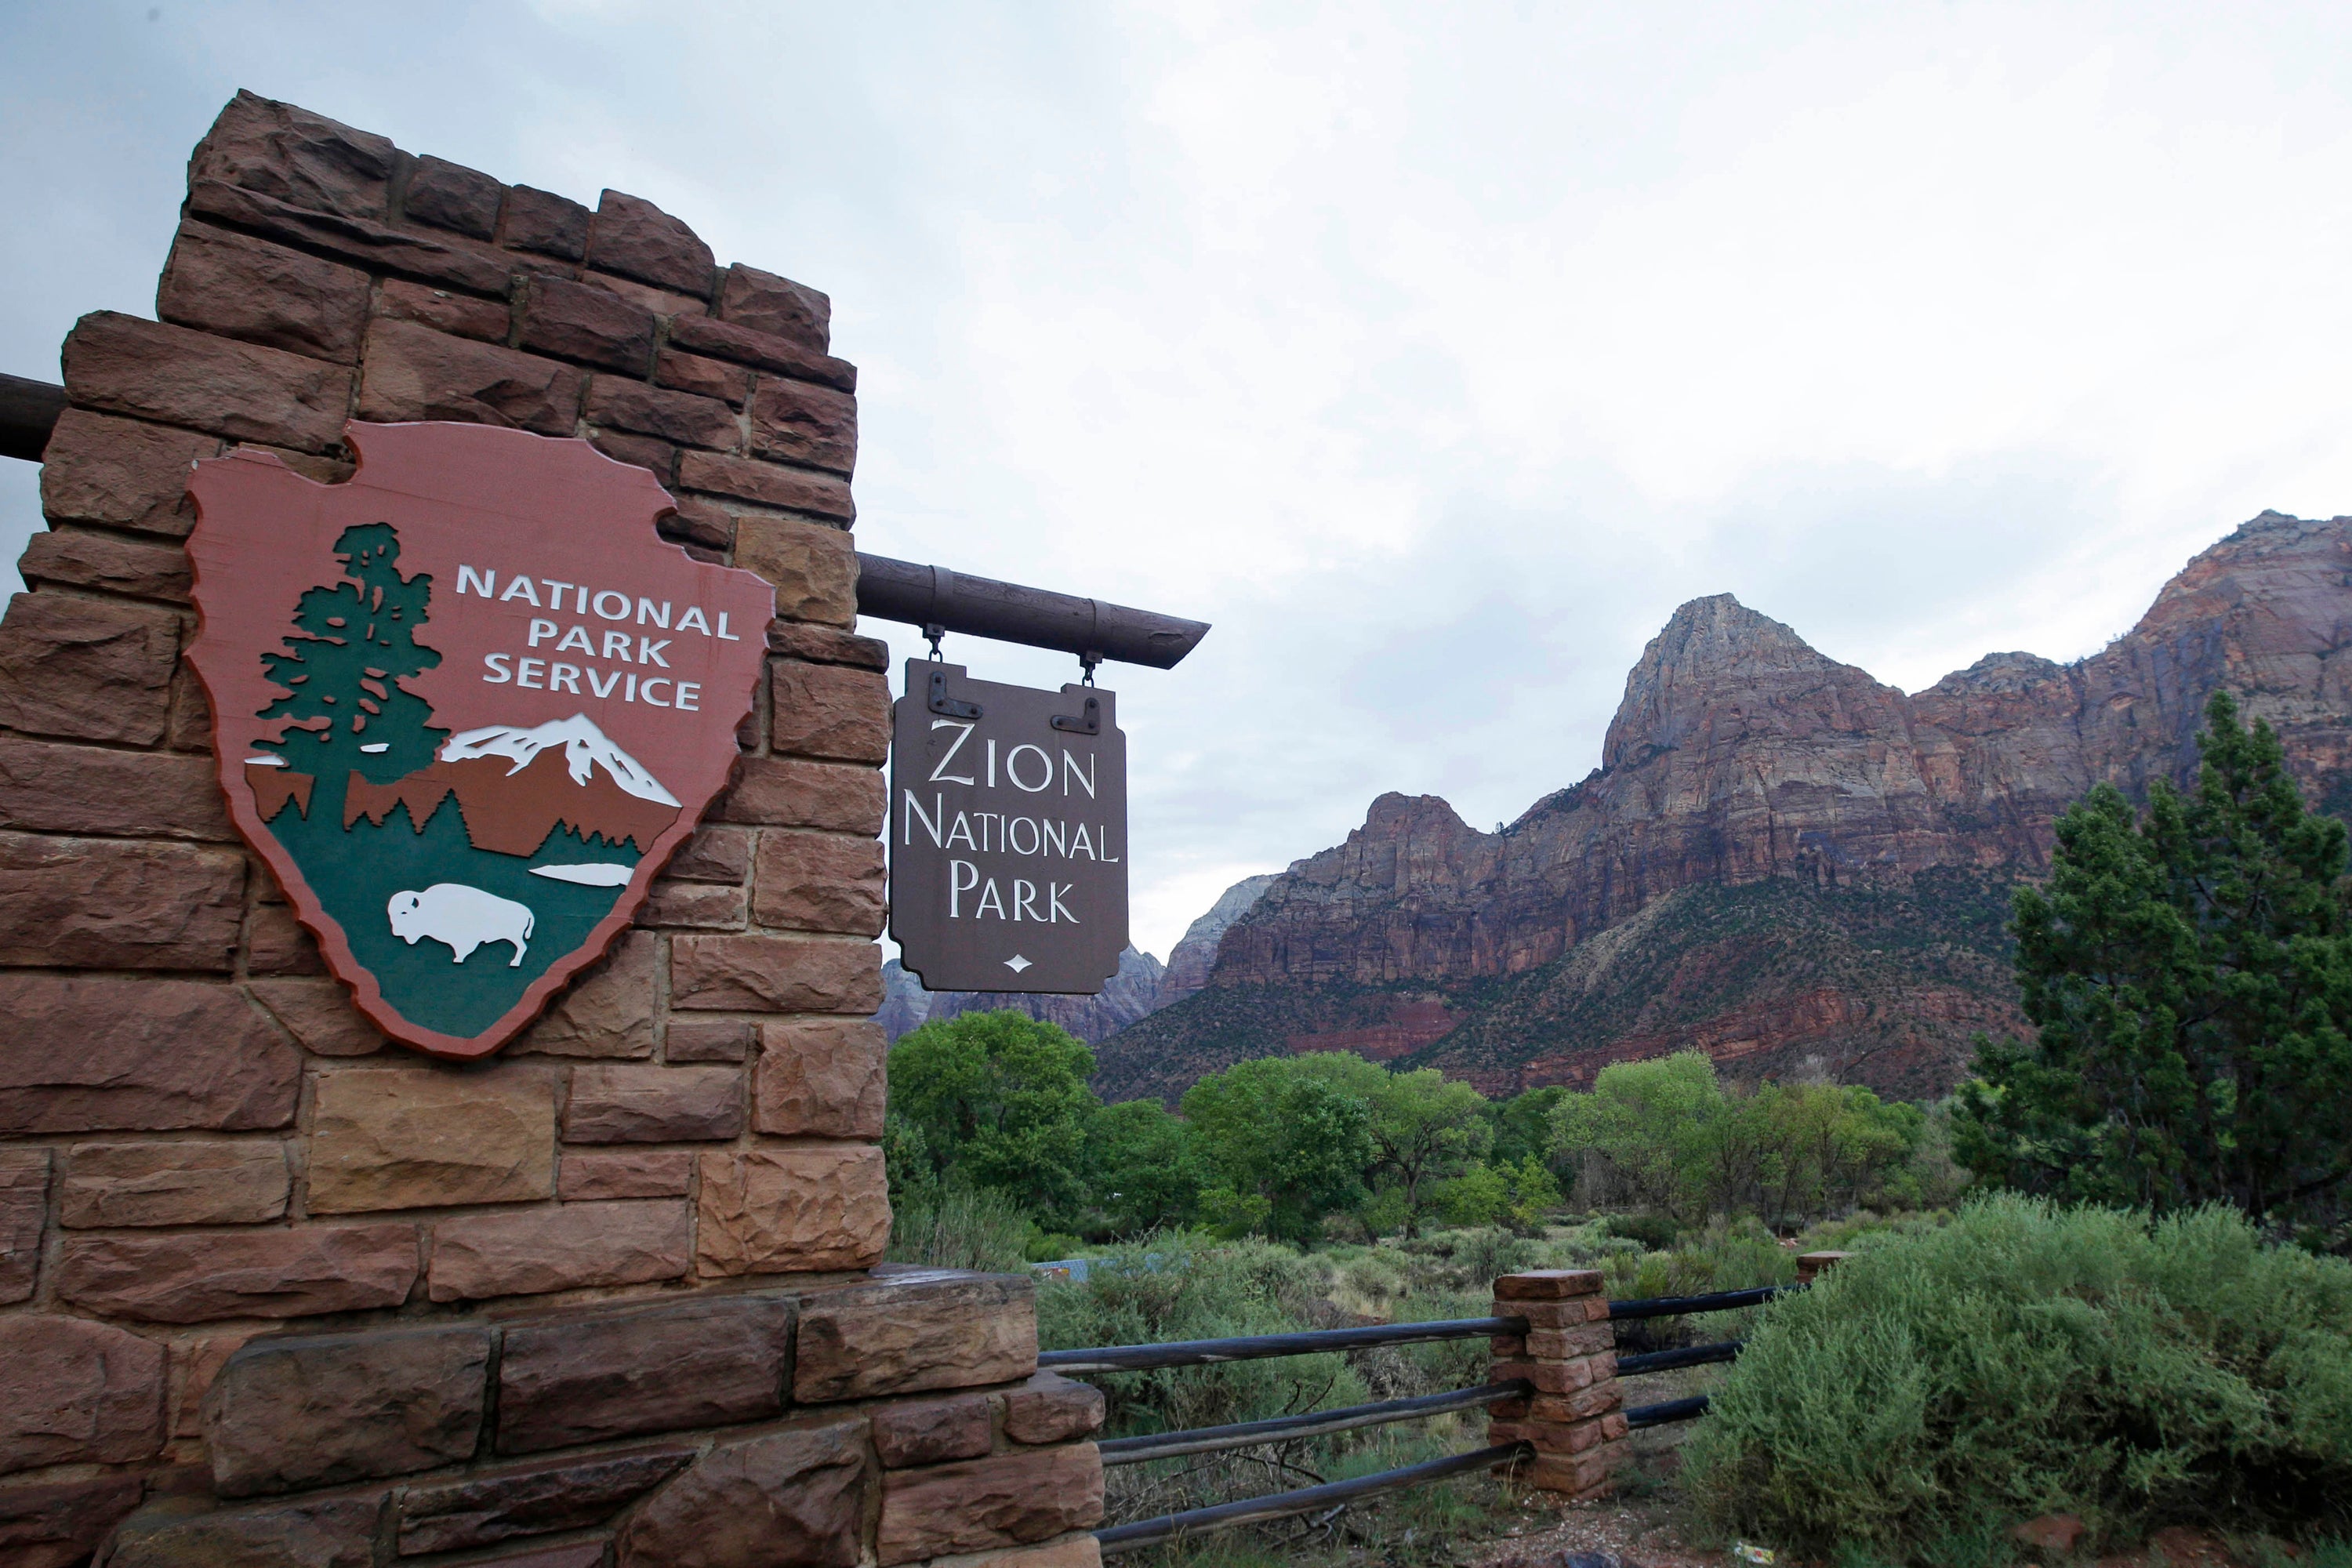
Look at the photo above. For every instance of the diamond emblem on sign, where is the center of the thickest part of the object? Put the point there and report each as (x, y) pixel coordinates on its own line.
(1016, 963)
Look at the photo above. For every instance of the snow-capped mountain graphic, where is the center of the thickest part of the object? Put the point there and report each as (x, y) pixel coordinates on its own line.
(515, 786)
(585, 749)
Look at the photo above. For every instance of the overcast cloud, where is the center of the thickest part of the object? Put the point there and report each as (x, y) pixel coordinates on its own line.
(1434, 353)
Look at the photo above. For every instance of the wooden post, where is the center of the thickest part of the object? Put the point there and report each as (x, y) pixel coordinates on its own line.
(1574, 1418)
(1811, 1265)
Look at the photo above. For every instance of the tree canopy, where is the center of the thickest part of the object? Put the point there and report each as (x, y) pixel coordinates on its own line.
(2188, 971)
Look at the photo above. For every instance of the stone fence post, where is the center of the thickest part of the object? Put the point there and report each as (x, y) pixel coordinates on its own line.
(1574, 1418)
(1812, 1266)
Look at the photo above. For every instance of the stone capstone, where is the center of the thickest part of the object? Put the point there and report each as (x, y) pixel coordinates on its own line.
(1050, 1408)
(1009, 1500)
(792, 1498)
(284, 1414)
(915, 1331)
(322, 1532)
(699, 1363)
(530, 1500)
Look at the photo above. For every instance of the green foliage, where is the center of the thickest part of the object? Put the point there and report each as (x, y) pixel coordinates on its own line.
(1667, 1136)
(1288, 1138)
(1523, 1124)
(2189, 978)
(1425, 1128)
(960, 1227)
(997, 1101)
(2026, 1359)
(1141, 1162)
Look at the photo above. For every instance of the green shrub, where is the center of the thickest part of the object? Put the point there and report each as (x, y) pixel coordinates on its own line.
(2025, 1360)
(1164, 1289)
(961, 1228)
(1655, 1232)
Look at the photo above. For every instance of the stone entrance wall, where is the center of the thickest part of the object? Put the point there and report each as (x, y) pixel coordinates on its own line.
(279, 1292)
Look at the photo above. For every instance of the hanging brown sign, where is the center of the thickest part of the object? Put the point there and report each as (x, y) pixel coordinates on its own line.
(465, 704)
(1008, 833)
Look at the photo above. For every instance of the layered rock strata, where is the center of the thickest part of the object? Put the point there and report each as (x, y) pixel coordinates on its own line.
(1741, 756)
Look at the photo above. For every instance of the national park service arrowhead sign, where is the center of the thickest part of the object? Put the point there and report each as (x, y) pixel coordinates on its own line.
(465, 704)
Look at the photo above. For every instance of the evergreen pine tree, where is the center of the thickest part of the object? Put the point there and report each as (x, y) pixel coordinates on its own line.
(2189, 973)
(354, 641)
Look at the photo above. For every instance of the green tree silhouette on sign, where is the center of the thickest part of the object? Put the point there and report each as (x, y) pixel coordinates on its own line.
(354, 641)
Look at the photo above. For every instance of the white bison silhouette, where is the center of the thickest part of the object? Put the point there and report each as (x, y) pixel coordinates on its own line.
(463, 917)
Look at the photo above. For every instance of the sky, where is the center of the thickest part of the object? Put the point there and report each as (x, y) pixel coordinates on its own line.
(1433, 353)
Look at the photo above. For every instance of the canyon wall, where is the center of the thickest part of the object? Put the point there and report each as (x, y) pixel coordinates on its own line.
(1741, 757)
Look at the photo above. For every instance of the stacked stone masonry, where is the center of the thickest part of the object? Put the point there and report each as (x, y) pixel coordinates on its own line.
(1575, 1418)
(272, 1290)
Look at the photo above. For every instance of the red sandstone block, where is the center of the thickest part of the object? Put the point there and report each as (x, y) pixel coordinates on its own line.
(1051, 1408)
(776, 306)
(24, 1214)
(428, 258)
(276, 943)
(699, 523)
(591, 1174)
(1584, 1475)
(443, 309)
(660, 302)
(1507, 1347)
(1547, 1376)
(240, 287)
(1582, 1405)
(692, 1040)
(307, 160)
(452, 196)
(725, 339)
(544, 222)
(798, 422)
(98, 903)
(77, 1391)
(703, 377)
(1548, 1284)
(191, 1277)
(928, 1431)
(1565, 1314)
(81, 558)
(658, 458)
(819, 881)
(179, 376)
(49, 787)
(713, 855)
(91, 1053)
(121, 473)
(793, 490)
(60, 1523)
(829, 710)
(824, 645)
(784, 792)
(812, 565)
(417, 374)
(636, 239)
(634, 1103)
(567, 1248)
(774, 974)
(1559, 1344)
(820, 1078)
(693, 906)
(913, 1334)
(619, 403)
(573, 321)
(94, 669)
